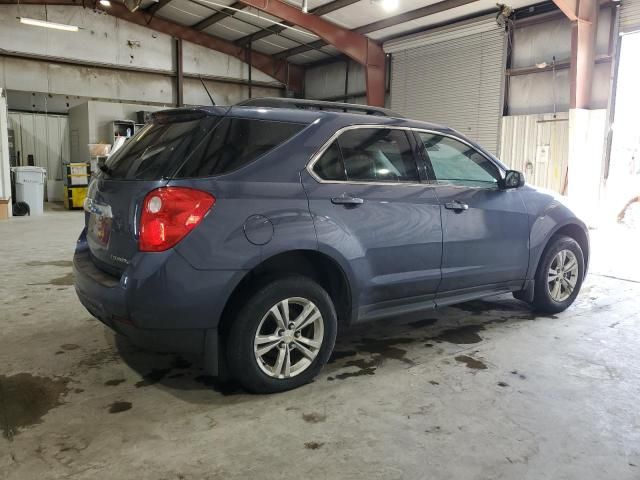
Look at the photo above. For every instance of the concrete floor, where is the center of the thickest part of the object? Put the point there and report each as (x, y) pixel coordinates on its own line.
(485, 390)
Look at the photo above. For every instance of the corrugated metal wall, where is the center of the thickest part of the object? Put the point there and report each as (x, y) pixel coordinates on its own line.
(537, 145)
(629, 16)
(453, 76)
(46, 137)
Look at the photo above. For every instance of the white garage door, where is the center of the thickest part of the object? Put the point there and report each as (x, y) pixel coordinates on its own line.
(453, 76)
(629, 16)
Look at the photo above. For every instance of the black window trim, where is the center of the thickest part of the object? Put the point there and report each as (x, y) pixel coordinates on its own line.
(420, 157)
(316, 156)
(431, 172)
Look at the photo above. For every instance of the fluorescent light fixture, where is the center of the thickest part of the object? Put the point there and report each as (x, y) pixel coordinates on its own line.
(105, 3)
(389, 5)
(43, 23)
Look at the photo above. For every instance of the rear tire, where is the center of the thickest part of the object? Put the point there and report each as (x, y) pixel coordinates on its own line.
(268, 352)
(559, 276)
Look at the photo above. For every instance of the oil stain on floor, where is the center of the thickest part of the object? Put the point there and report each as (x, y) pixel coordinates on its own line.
(117, 407)
(26, 398)
(65, 280)
(471, 362)
(53, 263)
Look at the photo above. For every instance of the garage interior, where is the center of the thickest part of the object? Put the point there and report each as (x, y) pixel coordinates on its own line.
(485, 389)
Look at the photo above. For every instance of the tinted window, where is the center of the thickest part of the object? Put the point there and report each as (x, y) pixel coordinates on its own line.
(330, 166)
(159, 148)
(234, 143)
(377, 155)
(456, 163)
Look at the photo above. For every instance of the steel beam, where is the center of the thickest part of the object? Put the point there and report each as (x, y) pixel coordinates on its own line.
(276, 29)
(356, 46)
(216, 17)
(179, 74)
(584, 17)
(385, 23)
(290, 75)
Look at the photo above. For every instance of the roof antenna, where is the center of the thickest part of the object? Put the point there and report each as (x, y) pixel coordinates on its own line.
(206, 90)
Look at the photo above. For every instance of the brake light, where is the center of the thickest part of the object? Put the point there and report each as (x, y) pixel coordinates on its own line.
(168, 214)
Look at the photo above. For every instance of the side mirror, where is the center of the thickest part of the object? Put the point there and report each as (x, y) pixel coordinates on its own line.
(512, 179)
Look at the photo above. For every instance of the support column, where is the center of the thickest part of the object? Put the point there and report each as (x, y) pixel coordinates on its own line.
(5, 179)
(586, 127)
(179, 74)
(583, 47)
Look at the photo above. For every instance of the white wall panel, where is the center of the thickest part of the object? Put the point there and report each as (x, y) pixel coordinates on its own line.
(538, 146)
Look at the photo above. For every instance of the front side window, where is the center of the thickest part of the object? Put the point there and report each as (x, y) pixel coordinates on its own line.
(455, 163)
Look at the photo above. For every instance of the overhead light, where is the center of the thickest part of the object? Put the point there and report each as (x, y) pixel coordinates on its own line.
(105, 3)
(43, 23)
(387, 5)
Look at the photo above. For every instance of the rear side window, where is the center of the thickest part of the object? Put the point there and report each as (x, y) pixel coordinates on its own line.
(159, 148)
(234, 143)
(369, 155)
(330, 165)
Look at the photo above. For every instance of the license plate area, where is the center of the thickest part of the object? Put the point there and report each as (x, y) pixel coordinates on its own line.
(100, 220)
(100, 229)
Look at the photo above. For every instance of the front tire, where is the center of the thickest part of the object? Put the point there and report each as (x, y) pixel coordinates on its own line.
(559, 276)
(283, 336)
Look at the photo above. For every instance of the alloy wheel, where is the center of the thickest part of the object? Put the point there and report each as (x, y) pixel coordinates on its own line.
(563, 275)
(288, 337)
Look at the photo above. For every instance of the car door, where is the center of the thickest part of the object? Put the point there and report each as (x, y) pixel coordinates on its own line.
(371, 209)
(485, 228)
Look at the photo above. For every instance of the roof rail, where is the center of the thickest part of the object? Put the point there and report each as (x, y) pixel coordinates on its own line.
(276, 102)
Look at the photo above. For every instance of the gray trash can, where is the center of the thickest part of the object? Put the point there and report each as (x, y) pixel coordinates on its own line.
(30, 187)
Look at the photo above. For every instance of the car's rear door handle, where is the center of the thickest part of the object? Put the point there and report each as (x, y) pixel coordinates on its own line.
(347, 200)
(456, 205)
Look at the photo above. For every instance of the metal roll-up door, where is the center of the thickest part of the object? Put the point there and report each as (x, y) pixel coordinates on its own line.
(453, 76)
(629, 16)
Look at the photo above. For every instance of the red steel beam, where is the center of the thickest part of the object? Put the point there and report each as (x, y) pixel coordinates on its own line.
(355, 45)
(584, 17)
(290, 75)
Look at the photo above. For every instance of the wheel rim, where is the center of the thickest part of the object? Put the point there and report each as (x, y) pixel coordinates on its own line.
(563, 275)
(288, 337)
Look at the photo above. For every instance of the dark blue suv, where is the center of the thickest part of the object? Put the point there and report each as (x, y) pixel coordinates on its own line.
(248, 234)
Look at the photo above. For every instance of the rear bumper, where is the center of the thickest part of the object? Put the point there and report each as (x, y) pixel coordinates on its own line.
(160, 305)
(104, 298)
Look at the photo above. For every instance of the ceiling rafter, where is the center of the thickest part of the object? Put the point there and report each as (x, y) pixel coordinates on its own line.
(152, 9)
(384, 23)
(221, 15)
(277, 29)
(363, 50)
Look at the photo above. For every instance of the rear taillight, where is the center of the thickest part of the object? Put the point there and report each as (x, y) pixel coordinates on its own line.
(168, 214)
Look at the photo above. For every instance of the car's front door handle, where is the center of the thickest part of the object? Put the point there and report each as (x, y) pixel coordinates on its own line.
(347, 200)
(456, 205)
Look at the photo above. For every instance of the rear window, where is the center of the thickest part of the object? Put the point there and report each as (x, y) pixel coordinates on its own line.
(159, 148)
(197, 147)
(234, 143)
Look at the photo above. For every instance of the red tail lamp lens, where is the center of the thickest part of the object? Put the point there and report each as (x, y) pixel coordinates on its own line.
(169, 213)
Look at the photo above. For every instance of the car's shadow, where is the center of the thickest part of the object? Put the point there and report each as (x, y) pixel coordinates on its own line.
(359, 350)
